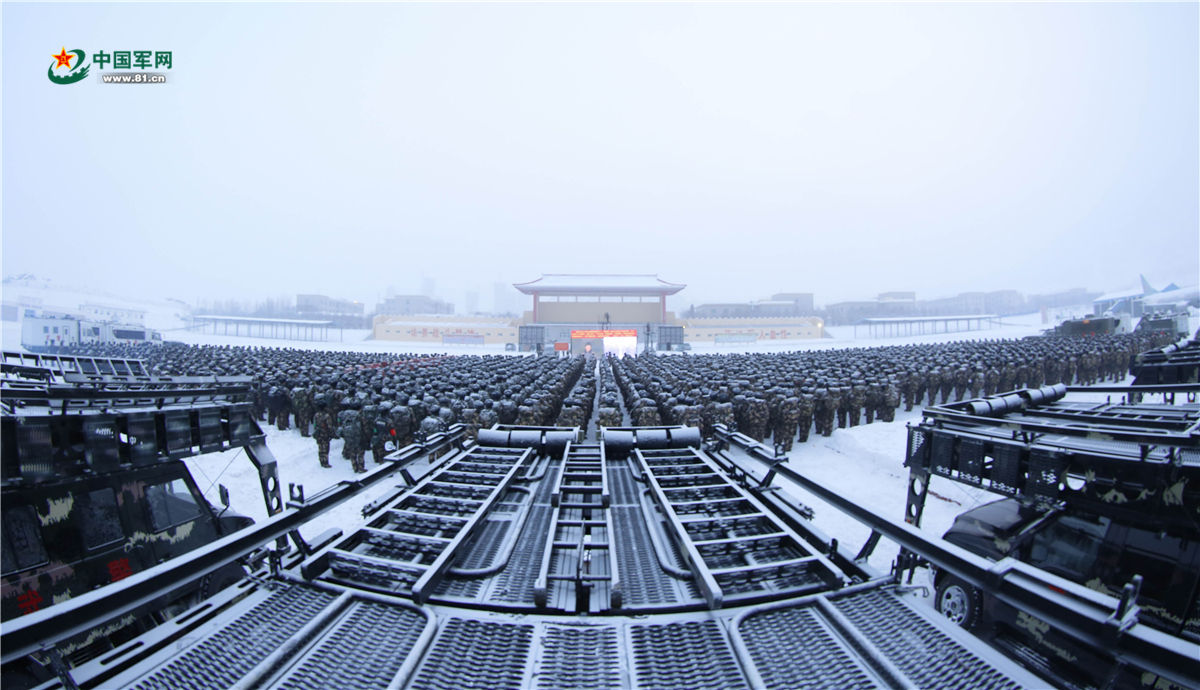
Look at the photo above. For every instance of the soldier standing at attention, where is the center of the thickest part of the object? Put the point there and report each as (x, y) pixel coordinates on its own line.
(322, 430)
(301, 406)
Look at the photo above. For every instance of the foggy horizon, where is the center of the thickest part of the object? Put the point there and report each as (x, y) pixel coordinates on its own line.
(742, 150)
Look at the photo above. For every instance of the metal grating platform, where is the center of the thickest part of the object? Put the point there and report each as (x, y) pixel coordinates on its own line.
(501, 569)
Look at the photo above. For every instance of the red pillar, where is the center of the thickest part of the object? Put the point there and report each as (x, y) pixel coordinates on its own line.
(662, 301)
(535, 302)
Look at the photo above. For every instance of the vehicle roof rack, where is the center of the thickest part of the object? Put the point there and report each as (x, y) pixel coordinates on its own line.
(31, 383)
(1140, 460)
(1175, 363)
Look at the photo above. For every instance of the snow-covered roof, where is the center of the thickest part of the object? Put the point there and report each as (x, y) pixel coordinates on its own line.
(598, 284)
(914, 319)
(1120, 294)
(443, 325)
(256, 319)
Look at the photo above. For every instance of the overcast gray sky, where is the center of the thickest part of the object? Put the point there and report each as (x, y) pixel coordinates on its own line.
(840, 149)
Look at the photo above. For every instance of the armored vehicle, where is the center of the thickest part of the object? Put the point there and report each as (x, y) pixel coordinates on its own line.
(531, 559)
(94, 489)
(1100, 495)
(1094, 325)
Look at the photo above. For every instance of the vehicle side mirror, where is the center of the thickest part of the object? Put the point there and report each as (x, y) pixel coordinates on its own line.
(224, 495)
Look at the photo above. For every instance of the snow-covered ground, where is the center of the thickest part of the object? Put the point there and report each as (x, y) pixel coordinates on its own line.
(865, 463)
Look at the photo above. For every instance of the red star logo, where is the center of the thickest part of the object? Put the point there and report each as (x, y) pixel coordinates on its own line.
(64, 59)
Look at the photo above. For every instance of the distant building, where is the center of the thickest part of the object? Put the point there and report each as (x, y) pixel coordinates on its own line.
(1003, 302)
(802, 302)
(320, 304)
(719, 310)
(104, 312)
(1067, 298)
(780, 304)
(842, 313)
(906, 304)
(750, 329)
(593, 299)
(446, 329)
(408, 305)
(962, 304)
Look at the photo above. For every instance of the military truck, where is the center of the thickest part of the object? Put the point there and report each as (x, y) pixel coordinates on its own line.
(1094, 325)
(94, 489)
(1102, 495)
(1176, 324)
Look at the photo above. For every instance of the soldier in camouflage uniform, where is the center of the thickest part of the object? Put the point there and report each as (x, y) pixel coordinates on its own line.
(789, 419)
(380, 431)
(323, 430)
(947, 383)
(843, 407)
(300, 403)
(487, 416)
(757, 417)
(401, 425)
(935, 382)
(890, 401)
(975, 382)
(856, 400)
(724, 413)
(351, 432)
(607, 417)
(873, 398)
(470, 417)
(258, 401)
(911, 382)
(992, 382)
(805, 420)
(708, 416)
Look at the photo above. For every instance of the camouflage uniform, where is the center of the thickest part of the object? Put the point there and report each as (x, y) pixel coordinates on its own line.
(470, 417)
(758, 415)
(805, 421)
(323, 430)
(351, 432)
(789, 419)
(856, 400)
(302, 406)
(891, 400)
(400, 423)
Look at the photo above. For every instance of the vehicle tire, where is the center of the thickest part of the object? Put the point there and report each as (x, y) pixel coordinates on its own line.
(958, 601)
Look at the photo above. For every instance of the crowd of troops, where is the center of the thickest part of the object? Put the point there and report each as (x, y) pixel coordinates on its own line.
(373, 401)
(786, 396)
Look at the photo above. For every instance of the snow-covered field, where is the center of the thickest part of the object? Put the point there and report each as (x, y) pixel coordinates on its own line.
(865, 463)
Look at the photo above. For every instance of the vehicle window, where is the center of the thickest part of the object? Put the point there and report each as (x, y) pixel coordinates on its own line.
(22, 540)
(170, 504)
(1069, 546)
(99, 520)
(1164, 577)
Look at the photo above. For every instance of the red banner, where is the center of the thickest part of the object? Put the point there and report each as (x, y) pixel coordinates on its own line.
(627, 333)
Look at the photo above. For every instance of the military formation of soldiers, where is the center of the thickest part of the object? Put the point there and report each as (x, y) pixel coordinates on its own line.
(373, 400)
(786, 396)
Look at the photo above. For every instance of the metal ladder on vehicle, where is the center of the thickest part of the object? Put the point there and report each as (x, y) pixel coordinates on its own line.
(731, 542)
(579, 525)
(409, 547)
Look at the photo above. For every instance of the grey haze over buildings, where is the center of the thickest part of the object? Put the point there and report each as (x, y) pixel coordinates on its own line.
(745, 150)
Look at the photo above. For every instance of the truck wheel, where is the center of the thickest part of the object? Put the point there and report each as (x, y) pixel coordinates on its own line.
(958, 602)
